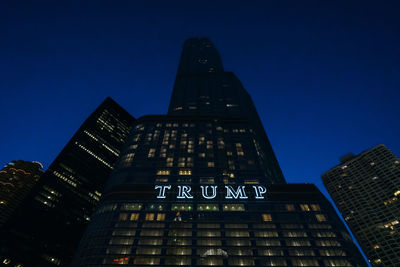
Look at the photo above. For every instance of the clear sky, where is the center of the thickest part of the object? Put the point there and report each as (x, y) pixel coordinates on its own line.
(324, 75)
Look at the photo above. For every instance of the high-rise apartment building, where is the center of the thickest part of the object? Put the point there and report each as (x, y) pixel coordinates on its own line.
(17, 178)
(201, 187)
(46, 228)
(366, 189)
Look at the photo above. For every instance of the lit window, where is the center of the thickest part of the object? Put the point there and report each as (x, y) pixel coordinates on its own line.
(338, 263)
(149, 216)
(233, 207)
(123, 216)
(267, 217)
(131, 206)
(304, 262)
(134, 217)
(265, 234)
(290, 207)
(207, 207)
(163, 172)
(315, 207)
(320, 217)
(148, 251)
(185, 172)
(161, 217)
(210, 164)
(146, 261)
(305, 207)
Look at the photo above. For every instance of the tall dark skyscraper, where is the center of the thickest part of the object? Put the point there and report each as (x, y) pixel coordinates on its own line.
(46, 228)
(366, 189)
(201, 187)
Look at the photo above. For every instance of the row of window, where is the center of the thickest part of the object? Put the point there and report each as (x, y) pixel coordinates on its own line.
(233, 261)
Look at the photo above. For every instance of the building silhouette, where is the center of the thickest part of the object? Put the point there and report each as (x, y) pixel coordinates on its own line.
(45, 230)
(366, 188)
(201, 186)
(17, 178)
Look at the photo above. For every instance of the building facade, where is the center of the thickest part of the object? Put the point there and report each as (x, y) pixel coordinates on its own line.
(17, 178)
(366, 188)
(45, 230)
(201, 187)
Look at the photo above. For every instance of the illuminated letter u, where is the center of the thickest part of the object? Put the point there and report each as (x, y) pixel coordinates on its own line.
(204, 191)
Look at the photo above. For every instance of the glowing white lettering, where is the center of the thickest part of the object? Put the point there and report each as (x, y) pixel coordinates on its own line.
(184, 191)
(231, 193)
(161, 193)
(204, 191)
(260, 191)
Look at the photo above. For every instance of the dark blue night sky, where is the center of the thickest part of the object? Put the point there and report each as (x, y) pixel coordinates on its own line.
(324, 75)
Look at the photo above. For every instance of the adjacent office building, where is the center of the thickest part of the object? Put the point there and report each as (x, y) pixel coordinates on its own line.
(46, 228)
(17, 178)
(366, 189)
(201, 186)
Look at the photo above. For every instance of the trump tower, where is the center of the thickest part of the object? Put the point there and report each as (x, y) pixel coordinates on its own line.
(201, 186)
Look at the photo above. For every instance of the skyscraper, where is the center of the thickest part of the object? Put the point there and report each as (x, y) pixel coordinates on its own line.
(46, 228)
(17, 178)
(366, 188)
(201, 186)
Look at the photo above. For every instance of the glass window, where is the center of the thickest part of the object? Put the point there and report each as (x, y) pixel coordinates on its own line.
(304, 262)
(209, 242)
(270, 252)
(320, 217)
(161, 217)
(237, 233)
(153, 232)
(332, 252)
(149, 217)
(301, 252)
(208, 233)
(236, 226)
(134, 217)
(148, 251)
(179, 251)
(131, 206)
(265, 234)
(179, 242)
(153, 225)
(268, 242)
(118, 250)
(210, 261)
(298, 243)
(240, 252)
(290, 207)
(324, 234)
(121, 232)
(264, 226)
(121, 241)
(275, 262)
(294, 234)
(337, 263)
(180, 232)
(208, 225)
(241, 261)
(327, 243)
(315, 207)
(267, 217)
(146, 261)
(233, 207)
(207, 207)
(238, 242)
(182, 207)
(150, 241)
(305, 207)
